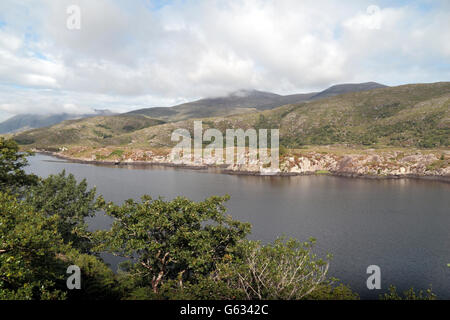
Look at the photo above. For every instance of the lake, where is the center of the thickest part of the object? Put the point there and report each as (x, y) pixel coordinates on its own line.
(400, 225)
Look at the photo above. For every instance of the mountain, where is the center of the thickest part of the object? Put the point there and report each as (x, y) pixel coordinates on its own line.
(236, 103)
(415, 115)
(22, 122)
(101, 130)
(347, 88)
(242, 101)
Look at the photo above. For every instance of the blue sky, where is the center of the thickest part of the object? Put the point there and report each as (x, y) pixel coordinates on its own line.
(135, 54)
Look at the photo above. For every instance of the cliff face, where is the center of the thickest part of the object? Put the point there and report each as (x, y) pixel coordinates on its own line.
(374, 163)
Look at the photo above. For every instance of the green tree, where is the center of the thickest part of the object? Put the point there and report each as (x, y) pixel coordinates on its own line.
(98, 281)
(34, 259)
(178, 240)
(12, 162)
(29, 249)
(285, 270)
(71, 201)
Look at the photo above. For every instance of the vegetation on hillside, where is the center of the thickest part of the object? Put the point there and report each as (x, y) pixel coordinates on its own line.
(111, 130)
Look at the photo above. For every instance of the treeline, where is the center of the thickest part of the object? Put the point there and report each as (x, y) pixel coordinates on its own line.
(176, 249)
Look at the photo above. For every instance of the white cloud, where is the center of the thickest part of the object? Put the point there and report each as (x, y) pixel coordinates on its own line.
(127, 56)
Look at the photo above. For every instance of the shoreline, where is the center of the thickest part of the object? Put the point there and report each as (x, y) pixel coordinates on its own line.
(222, 169)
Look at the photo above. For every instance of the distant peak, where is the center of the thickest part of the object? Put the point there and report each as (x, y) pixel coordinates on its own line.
(370, 84)
(244, 93)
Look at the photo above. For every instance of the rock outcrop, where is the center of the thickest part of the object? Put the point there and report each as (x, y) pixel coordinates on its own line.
(374, 163)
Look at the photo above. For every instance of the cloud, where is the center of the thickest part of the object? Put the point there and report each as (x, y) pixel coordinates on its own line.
(131, 54)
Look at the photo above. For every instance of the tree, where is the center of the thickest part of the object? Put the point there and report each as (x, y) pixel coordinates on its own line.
(12, 162)
(285, 270)
(178, 240)
(34, 259)
(29, 249)
(98, 281)
(73, 202)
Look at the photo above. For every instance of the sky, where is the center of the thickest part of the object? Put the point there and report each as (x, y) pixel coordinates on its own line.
(135, 54)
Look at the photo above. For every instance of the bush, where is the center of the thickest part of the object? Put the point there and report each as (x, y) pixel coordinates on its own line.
(410, 294)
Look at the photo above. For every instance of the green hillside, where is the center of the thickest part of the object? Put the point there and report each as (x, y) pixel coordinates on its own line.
(415, 115)
(105, 130)
(404, 116)
(411, 115)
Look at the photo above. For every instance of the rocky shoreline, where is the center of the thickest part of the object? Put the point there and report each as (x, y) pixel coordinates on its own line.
(426, 167)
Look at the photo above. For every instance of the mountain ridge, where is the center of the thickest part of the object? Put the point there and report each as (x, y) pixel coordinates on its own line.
(347, 88)
(416, 115)
(243, 101)
(23, 122)
(238, 102)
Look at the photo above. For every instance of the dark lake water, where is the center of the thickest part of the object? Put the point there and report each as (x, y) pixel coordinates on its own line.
(400, 225)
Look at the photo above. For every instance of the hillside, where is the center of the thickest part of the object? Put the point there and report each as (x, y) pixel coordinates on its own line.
(103, 130)
(245, 101)
(415, 115)
(405, 116)
(22, 122)
(347, 88)
(239, 102)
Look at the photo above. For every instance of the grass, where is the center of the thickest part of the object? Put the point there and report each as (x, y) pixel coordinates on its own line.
(438, 164)
(322, 172)
(116, 153)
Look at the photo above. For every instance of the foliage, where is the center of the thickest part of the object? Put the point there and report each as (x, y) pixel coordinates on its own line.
(286, 270)
(205, 288)
(410, 294)
(29, 248)
(12, 162)
(331, 291)
(117, 153)
(98, 281)
(60, 195)
(171, 240)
